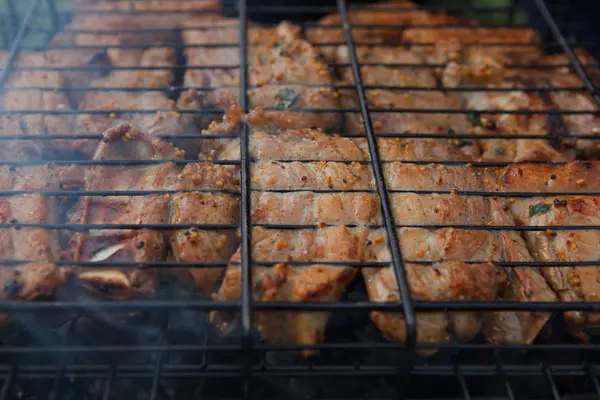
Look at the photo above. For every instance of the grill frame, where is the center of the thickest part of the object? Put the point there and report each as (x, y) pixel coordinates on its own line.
(248, 371)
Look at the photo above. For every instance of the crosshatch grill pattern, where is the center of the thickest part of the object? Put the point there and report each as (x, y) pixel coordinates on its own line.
(159, 345)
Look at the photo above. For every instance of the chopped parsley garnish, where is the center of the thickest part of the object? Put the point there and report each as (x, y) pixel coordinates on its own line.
(287, 98)
(500, 150)
(539, 209)
(475, 119)
(451, 131)
(263, 60)
(366, 55)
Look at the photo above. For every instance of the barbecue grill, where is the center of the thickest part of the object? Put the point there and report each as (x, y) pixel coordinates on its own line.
(164, 348)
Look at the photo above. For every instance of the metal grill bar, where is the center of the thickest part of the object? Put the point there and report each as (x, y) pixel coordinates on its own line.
(397, 261)
(246, 221)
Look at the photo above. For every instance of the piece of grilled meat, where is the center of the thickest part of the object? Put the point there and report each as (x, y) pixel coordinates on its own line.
(125, 143)
(284, 74)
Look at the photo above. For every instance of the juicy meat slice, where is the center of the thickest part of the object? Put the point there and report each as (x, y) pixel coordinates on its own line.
(281, 65)
(299, 144)
(38, 247)
(571, 100)
(42, 97)
(309, 208)
(576, 176)
(406, 176)
(518, 44)
(397, 15)
(570, 283)
(523, 284)
(146, 245)
(513, 150)
(160, 123)
(202, 245)
(387, 75)
(316, 283)
(112, 245)
(311, 144)
(444, 281)
(122, 23)
(286, 106)
(391, 122)
(323, 175)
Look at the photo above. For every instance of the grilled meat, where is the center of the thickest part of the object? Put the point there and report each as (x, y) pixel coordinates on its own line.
(518, 44)
(146, 245)
(322, 175)
(37, 247)
(112, 94)
(392, 122)
(523, 284)
(40, 98)
(570, 283)
(280, 63)
(396, 15)
(309, 208)
(316, 283)
(445, 281)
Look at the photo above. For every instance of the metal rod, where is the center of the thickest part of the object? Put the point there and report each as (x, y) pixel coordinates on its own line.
(388, 217)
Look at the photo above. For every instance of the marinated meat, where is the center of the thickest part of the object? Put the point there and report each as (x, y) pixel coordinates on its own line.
(518, 44)
(570, 100)
(140, 24)
(323, 175)
(112, 94)
(385, 72)
(570, 283)
(35, 90)
(316, 283)
(522, 284)
(309, 208)
(37, 247)
(575, 177)
(392, 122)
(501, 89)
(148, 245)
(396, 15)
(280, 66)
(444, 281)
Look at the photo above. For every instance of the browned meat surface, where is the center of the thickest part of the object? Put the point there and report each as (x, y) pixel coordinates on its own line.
(570, 283)
(147, 245)
(445, 281)
(321, 175)
(518, 44)
(386, 75)
(391, 122)
(160, 123)
(309, 208)
(397, 15)
(42, 97)
(37, 246)
(317, 283)
(281, 64)
(577, 177)
(139, 23)
(571, 100)
(523, 284)
(501, 89)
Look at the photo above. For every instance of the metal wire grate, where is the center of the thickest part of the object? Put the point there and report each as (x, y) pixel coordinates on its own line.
(163, 355)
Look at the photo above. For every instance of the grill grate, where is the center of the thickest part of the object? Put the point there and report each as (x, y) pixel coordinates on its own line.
(69, 349)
